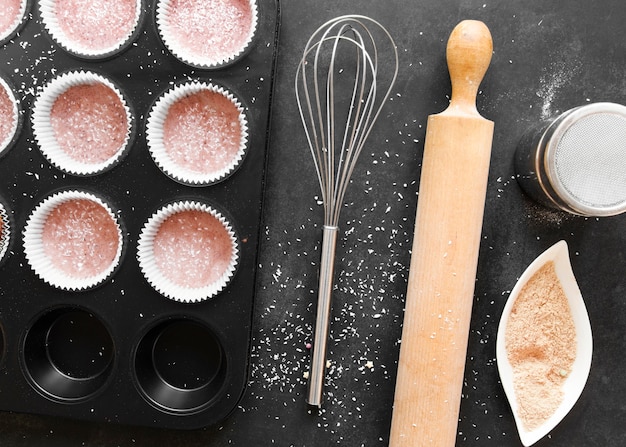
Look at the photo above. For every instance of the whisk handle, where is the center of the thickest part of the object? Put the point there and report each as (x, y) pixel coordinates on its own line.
(322, 322)
(468, 54)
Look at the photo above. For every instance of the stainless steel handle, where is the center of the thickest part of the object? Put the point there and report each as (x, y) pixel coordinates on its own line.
(322, 322)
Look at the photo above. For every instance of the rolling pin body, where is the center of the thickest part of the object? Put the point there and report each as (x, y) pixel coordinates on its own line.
(444, 258)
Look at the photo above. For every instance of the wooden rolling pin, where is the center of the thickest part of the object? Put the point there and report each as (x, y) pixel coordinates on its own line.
(448, 226)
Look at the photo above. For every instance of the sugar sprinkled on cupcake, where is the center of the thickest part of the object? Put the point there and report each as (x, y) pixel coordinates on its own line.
(207, 33)
(82, 123)
(202, 132)
(6, 111)
(11, 14)
(192, 248)
(72, 240)
(91, 28)
(188, 251)
(9, 113)
(80, 238)
(197, 133)
(89, 122)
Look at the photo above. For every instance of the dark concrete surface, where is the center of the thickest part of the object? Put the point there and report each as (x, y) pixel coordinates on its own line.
(548, 57)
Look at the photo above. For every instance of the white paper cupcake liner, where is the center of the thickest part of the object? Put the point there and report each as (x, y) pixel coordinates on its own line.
(51, 23)
(8, 140)
(44, 133)
(180, 49)
(9, 30)
(39, 261)
(5, 232)
(158, 151)
(155, 276)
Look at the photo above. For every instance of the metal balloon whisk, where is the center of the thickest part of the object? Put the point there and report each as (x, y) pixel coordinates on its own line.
(345, 65)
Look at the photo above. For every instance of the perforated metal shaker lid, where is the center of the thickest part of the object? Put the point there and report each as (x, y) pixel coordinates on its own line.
(585, 159)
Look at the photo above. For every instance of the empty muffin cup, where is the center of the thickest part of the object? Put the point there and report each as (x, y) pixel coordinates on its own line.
(11, 17)
(207, 33)
(180, 366)
(188, 251)
(197, 133)
(73, 240)
(10, 113)
(82, 123)
(68, 354)
(91, 28)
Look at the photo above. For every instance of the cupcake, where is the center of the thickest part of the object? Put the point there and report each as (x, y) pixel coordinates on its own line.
(82, 123)
(5, 231)
(207, 33)
(9, 111)
(197, 133)
(73, 241)
(188, 251)
(91, 28)
(11, 17)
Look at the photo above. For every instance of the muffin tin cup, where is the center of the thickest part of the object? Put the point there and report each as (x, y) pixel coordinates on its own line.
(161, 280)
(158, 117)
(203, 29)
(40, 261)
(8, 140)
(68, 354)
(45, 134)
(180, 365)
(6, 32)
(48, 11)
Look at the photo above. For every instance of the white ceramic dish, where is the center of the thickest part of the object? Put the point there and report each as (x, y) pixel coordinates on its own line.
(575, 382)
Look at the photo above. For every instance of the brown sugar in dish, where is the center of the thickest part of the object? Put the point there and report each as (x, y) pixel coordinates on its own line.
(540, 342)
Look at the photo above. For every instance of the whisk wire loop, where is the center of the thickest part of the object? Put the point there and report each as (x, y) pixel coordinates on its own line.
(352, 143)
(335, 162)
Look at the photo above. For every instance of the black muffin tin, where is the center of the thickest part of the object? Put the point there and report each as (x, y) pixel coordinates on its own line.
(121, 352)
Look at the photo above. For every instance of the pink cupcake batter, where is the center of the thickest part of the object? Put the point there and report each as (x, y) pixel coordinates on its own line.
(10, 11)
(89, 122)
(95, 24)
(80, 238)
(7, 123)
(192, 249)
(210, 29)
(202, 132)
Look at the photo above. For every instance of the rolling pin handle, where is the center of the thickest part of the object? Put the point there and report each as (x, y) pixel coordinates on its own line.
(468, 54)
